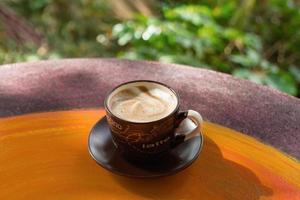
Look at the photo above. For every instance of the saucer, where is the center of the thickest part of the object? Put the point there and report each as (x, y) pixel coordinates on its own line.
(104, 152)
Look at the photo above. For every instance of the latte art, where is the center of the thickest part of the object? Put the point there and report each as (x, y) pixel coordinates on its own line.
(142, 103)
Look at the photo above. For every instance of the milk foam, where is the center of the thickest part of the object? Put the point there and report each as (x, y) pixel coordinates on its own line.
(142, 102)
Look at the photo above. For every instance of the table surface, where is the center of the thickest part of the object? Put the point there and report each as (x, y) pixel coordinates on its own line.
(49, 149)
(44, 156)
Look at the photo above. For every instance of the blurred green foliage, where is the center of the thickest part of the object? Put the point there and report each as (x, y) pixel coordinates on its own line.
(68, 28)
(204, 36)
(256, 40)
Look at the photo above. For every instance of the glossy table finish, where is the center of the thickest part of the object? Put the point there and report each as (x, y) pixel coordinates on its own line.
(45, 156)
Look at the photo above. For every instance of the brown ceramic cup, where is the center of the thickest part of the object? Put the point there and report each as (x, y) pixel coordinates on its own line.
(142, 141)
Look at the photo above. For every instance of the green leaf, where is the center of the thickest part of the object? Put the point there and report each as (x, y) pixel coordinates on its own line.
(250, 60)
(268, 66)
(241, 59)
(247, 74)
(252, 41)
(225, 10)
(254, 56)
(124, 39)
(282, 81)
(196, 15)
(118, 29)
(151, 30)
(232, 34)
(295, 71)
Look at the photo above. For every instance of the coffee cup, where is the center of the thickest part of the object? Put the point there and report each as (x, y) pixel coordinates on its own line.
(143, 116)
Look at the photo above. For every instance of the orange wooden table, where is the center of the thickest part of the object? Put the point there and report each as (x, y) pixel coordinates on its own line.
(45, 156)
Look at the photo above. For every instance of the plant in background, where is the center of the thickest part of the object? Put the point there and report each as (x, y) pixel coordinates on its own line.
(201, 36)
(68, 29)
(256, 40)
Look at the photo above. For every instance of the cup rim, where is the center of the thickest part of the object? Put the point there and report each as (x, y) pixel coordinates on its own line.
(136, 81)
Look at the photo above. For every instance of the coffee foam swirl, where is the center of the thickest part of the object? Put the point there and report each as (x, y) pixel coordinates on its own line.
(142, 104)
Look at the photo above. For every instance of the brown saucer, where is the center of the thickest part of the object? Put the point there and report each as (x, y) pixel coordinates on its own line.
(104, 152)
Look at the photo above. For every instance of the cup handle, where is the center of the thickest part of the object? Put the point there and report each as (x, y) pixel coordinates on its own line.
(196, 118)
